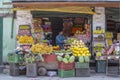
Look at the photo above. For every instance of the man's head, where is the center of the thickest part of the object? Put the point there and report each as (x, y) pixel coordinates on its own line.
(61, 33)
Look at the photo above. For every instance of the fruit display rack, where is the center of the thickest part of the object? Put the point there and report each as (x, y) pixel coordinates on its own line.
(99, 42)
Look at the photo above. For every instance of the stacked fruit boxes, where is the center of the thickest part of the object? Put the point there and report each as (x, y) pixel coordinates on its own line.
(66, 69)
(82, 69)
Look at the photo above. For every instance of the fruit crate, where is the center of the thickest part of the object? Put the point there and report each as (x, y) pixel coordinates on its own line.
(14, 58)
(81, 65)
(31, 70)
(66, 66)
(113, 66)
(82, 72)
(101, 66)
(66, 73)
(50, 57)
(14, 69)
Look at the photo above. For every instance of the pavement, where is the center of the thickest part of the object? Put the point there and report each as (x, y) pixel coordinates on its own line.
(92, 77)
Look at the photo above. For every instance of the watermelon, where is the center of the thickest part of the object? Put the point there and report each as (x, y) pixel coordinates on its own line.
(71, 59)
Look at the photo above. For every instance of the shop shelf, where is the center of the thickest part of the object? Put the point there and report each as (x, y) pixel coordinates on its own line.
(82, 72)
(66, 73)
(66, 66)
(81, 65)
(101, 66)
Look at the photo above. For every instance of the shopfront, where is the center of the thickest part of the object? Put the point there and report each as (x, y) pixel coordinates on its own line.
(83, 23)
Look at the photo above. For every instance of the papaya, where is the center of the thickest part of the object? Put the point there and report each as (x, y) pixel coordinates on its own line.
(65, 60)
(71, 59)
(59, 58)
(67, 56)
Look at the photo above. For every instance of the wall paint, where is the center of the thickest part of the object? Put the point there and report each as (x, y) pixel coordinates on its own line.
(99, 19)
(8, 43)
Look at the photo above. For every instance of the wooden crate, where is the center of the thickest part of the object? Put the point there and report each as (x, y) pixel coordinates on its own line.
(31, 70)
(66, 73)
(101, 66)
(82, 72)
(81, 65)
(14, 69)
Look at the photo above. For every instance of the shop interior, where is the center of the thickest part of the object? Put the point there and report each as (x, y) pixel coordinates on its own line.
(73, 25)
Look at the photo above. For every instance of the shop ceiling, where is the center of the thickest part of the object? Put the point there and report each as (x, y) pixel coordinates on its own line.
(50, 3)
(66, 6)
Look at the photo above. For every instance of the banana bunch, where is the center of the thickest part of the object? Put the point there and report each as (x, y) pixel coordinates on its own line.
(26, 39)
(41, 49)
(79, 49)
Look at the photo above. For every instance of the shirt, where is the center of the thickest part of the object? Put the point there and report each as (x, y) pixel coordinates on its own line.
(60, 39)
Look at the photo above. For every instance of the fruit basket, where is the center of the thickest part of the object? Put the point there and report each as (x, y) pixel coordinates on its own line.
(81, 65)
(14, 58)
(50, 58)
(66, 66)
(68, 73)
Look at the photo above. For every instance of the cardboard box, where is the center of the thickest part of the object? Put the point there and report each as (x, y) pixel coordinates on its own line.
(118, 36)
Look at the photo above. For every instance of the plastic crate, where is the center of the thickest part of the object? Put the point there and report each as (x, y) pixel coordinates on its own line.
(14, 69)
(81, 65)
(66, 73)
(66, 66)
(31, 70)
(101, 66)
(82, 72)
(14, 58)
(50, 58)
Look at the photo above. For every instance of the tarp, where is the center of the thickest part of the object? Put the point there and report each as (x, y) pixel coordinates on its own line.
(68, 9)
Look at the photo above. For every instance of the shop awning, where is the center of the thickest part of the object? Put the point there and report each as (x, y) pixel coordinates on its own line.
(68, 9)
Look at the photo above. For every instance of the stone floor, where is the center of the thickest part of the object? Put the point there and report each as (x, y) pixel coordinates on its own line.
(92, 77)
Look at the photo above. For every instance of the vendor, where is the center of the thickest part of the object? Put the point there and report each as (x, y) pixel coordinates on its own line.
(60, 40)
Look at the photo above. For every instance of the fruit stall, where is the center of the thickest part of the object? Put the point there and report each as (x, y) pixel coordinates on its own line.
(36, 56)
